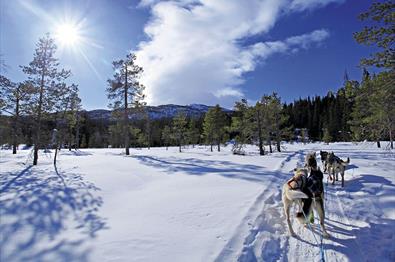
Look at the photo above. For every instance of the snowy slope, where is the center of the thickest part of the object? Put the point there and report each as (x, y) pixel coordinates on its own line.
(159, 205)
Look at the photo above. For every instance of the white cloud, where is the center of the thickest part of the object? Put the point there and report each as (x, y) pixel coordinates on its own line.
(310, 4)
(228, 91)
(193, 54)
(306, 40)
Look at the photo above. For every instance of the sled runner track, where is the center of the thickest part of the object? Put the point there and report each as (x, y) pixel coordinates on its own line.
(352, 244)
(262, 233)
(298, 153)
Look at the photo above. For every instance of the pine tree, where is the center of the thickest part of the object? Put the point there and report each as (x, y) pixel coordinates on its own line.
(148, 128)
(72, 118)
(327, 136)
(179, 129)
(379, 33)
(360, 127)
(242, 123)
(214, 126)
(278, 119)
(268, 111)
(46, 80)
(382, 108)
(65, 117)
(193, 134)
(259, 119)
(115, 132)
(167, 136)
(17, 99)
(126, 91)
(5, 85)
(135, 134)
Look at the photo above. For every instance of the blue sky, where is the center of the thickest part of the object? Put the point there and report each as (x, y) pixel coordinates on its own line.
(195, 51)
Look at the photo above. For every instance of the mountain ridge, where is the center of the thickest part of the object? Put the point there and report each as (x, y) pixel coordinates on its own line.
(156, 112)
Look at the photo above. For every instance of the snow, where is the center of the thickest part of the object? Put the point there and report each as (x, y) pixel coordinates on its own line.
(159, 205)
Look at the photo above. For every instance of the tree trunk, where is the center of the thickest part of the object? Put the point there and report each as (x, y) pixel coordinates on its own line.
(179, 147)
(278, 146)
(77, 132)
(15, 126)
(56, 154)
(261, 149)
(38, 130)
(391, 138)
(125, 114)
(70, 138)
(219, 147)
(378, 144)
(270, 146)
(211, 147)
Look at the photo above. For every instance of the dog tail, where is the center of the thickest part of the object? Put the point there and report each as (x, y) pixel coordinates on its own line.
(345, 163)
(295, 194)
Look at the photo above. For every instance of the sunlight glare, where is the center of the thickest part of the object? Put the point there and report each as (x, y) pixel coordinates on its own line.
(67, 34)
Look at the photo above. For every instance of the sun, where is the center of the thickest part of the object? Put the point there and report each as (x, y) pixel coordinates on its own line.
(67, 34)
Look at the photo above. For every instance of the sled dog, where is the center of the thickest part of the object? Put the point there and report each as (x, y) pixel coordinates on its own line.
(310, 159)
(324, 159)
(314, 189)
(292, 193)
(336, 166)
(307, 189)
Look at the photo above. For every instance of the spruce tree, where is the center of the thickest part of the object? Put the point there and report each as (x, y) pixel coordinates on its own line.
(125, 91)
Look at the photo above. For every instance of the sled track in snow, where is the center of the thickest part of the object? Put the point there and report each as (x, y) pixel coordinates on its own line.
(262, 234)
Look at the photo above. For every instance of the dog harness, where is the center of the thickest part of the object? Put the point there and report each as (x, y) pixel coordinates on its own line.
(300, 186)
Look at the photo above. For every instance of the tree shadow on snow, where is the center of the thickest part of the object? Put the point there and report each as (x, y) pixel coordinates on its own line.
(194, 166)
(359, 184)
(37, 206)
(375, 241)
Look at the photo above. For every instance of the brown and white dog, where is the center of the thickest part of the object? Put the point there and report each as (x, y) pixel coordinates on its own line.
(336, 166)
(300, 188)
(292, 193)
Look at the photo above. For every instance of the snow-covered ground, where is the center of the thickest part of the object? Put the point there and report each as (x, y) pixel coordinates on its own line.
(159, 205)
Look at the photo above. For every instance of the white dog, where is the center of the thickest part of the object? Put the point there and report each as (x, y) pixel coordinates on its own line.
(292, 192)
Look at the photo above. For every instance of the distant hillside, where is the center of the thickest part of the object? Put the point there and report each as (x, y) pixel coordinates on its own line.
(157, 112)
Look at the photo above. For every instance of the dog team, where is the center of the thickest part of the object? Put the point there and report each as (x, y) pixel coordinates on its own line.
(306, 188)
